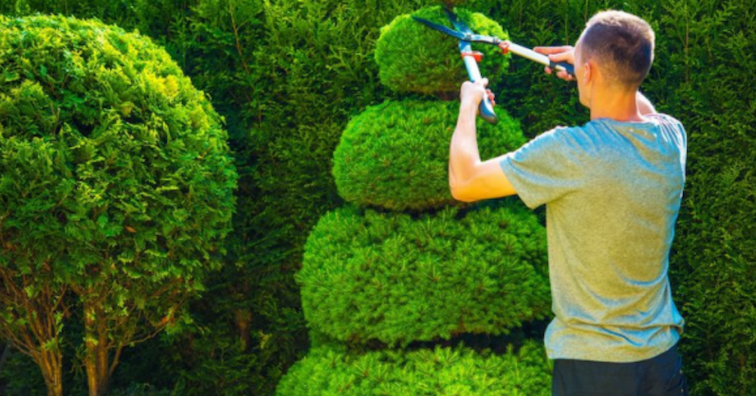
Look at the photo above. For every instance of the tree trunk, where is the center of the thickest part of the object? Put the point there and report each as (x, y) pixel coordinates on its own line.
(55, 384)
(243, 319)
(4, 357)
(51, 364)
(96, 361)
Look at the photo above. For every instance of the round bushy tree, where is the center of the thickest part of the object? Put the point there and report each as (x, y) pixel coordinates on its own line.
(415, 58)
(116, 184)
(395, 155)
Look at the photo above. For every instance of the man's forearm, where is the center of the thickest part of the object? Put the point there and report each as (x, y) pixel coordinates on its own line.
(463, 152)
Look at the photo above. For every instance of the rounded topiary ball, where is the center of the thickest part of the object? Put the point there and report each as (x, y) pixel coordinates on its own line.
(396, 155)
(390, 277)
(112, 165)
(415, 58)
(426, 372)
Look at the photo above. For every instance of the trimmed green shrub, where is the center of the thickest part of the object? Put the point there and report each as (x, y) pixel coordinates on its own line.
(115, 181)
(414, 58)
(390, 277)
(441, 371)
(395, 155)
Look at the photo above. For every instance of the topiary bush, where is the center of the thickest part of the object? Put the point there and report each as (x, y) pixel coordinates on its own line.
(395, 155)
(398, 279)
(384, 279)
(455, 371)
(415, 58)
(115, 181)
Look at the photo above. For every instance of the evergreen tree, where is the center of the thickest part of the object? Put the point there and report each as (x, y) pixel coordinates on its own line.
(400, 285)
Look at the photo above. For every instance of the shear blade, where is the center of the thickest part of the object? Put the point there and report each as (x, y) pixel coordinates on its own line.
(441, 28)
(458, 24)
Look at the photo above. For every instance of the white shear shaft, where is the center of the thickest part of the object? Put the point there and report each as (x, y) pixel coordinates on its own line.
(472, 68)
(528, 53)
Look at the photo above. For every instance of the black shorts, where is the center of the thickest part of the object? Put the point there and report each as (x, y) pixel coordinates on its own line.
(658, 376)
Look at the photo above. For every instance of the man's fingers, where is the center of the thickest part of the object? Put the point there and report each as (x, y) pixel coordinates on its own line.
(547, 70)
(564, 75)
(552, 50)
(563, 57)
(474, 90)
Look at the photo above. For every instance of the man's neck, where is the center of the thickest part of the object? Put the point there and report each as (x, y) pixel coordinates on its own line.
(616, 105)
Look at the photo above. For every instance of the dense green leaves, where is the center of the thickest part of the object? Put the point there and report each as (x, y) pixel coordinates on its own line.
(391, 277)
(715, 259)
(395, 155)
(414, 58)
(442, 371)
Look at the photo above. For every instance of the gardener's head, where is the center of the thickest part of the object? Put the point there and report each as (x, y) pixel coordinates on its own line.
(615, 50)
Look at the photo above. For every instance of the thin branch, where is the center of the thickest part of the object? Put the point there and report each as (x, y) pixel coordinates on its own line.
(236, 36)
(4, 356)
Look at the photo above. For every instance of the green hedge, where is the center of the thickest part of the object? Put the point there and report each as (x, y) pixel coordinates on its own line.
(431, 372)
(395, 155)
(394, 278)
(414, 58)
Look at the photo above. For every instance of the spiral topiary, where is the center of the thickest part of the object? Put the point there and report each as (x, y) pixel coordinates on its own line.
(405, 266)
(395, 155)
(414, 58)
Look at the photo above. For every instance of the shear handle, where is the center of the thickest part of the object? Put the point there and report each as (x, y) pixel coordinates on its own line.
(486, 107)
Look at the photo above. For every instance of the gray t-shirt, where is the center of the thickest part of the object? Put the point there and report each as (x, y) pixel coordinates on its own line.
(612, 192)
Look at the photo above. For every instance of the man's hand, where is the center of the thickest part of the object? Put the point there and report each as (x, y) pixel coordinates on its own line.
(565, 53)
(473, 93)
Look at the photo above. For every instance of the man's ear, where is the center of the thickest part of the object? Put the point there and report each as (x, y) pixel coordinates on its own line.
(588, 72)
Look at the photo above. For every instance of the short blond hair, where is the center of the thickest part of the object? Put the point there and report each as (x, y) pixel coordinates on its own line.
(622, 44)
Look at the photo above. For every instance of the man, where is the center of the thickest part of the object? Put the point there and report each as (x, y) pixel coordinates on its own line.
(612, 190)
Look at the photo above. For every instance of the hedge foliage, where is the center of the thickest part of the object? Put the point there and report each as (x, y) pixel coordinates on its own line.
(395, 155)
(414, 58)
(368, 275)
(441, 371)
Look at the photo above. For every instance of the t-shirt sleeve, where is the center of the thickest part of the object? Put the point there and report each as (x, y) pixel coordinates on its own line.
(546, 168)
(677, 130)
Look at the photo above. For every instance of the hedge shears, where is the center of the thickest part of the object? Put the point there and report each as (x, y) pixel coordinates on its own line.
(471, 58)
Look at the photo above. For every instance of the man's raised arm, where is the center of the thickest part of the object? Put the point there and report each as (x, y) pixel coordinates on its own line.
(469, 178)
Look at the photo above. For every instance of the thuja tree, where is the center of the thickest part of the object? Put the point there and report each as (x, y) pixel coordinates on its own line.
(116, 190)
(397, 284)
